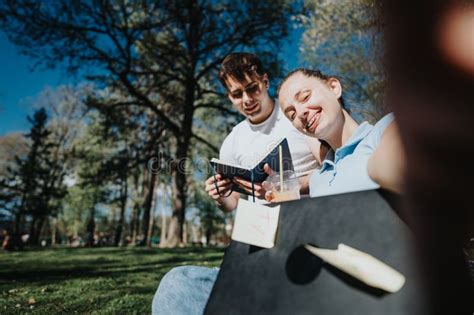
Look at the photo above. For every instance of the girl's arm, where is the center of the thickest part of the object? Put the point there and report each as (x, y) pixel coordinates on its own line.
(387, 163)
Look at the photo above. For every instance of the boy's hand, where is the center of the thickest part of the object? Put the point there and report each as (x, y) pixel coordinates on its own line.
(261, 189)
(225, 185)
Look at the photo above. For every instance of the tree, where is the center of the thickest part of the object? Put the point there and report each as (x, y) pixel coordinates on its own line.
(343, 38)
(89, 153)
(11, 145)
(127, 159)
(35, 185)
(162, 54)
(116, 169)
(65, 106)
(209, 215)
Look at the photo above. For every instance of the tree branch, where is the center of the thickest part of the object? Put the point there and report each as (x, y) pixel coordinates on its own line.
(220, 108)
(210, 145)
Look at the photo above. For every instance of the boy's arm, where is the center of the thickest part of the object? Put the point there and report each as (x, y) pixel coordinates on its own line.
(228, 204)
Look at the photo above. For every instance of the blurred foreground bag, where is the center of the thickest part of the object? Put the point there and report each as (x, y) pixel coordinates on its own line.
(287, 279)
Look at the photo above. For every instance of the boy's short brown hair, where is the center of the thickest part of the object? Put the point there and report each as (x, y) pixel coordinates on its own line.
(237, 65)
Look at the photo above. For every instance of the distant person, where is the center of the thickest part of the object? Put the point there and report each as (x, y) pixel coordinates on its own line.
(11, 241)
(6, 244)
(361, 156)
(185, 290)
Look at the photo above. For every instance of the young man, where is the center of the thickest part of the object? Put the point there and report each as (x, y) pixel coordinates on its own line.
(247, 84)
(185, 290)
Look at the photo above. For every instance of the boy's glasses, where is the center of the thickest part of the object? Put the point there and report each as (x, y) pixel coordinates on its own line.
(251, 89)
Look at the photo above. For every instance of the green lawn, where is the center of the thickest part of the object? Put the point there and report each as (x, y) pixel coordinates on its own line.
(90, 280)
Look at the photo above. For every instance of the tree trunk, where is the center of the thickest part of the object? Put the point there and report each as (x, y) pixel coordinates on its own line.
(134, 223)
(35, 230)
(54, 229)
(152, 220)
(150, 229)
(31, 238)
(123, 205)
(18, 220)
(90, 228)
(209, 229)
(118, 230)
(185, 233)
(135, 219)
(150, 187)
(163, 218)
(175, 228)
(39, 228)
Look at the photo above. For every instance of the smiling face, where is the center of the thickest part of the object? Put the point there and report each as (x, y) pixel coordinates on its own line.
(312, 105)
(250, 97)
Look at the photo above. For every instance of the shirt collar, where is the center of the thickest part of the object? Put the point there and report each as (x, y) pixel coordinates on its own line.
(357, 136)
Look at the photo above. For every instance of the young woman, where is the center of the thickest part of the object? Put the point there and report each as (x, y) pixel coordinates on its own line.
(360, 157)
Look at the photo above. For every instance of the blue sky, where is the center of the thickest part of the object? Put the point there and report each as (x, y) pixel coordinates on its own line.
(19, 84)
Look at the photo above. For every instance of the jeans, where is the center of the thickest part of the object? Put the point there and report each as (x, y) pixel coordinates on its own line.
(184, 290)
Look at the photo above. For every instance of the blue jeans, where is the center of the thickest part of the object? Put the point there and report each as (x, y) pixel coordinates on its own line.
(184, 290)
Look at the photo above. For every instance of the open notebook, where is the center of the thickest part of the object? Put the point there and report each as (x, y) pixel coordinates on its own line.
(256, 174)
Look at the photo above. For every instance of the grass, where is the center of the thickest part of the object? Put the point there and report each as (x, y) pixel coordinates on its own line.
(90, 280)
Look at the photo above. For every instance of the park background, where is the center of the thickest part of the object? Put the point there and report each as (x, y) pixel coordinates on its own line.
(109, 112)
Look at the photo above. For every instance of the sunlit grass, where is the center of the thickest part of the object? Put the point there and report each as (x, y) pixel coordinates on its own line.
(90, 280)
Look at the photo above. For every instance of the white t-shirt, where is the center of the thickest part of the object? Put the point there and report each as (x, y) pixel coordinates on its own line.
(247, 143)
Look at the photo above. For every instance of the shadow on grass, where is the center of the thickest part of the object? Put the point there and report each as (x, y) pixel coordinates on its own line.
(146, 252)
(90, 280)
(101, 267)
(122, 251)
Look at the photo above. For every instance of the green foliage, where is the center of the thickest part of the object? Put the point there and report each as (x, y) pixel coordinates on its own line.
(73, 218)
(35, 186)
(154, 58)
(343, 38)
(212, 219)
(11, 145)
(90, 281)
(89, 153)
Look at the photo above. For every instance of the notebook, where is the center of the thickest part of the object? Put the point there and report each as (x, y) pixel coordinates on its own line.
(256, 174)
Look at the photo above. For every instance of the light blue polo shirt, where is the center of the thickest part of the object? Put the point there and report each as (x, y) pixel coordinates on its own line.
(345, 170)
